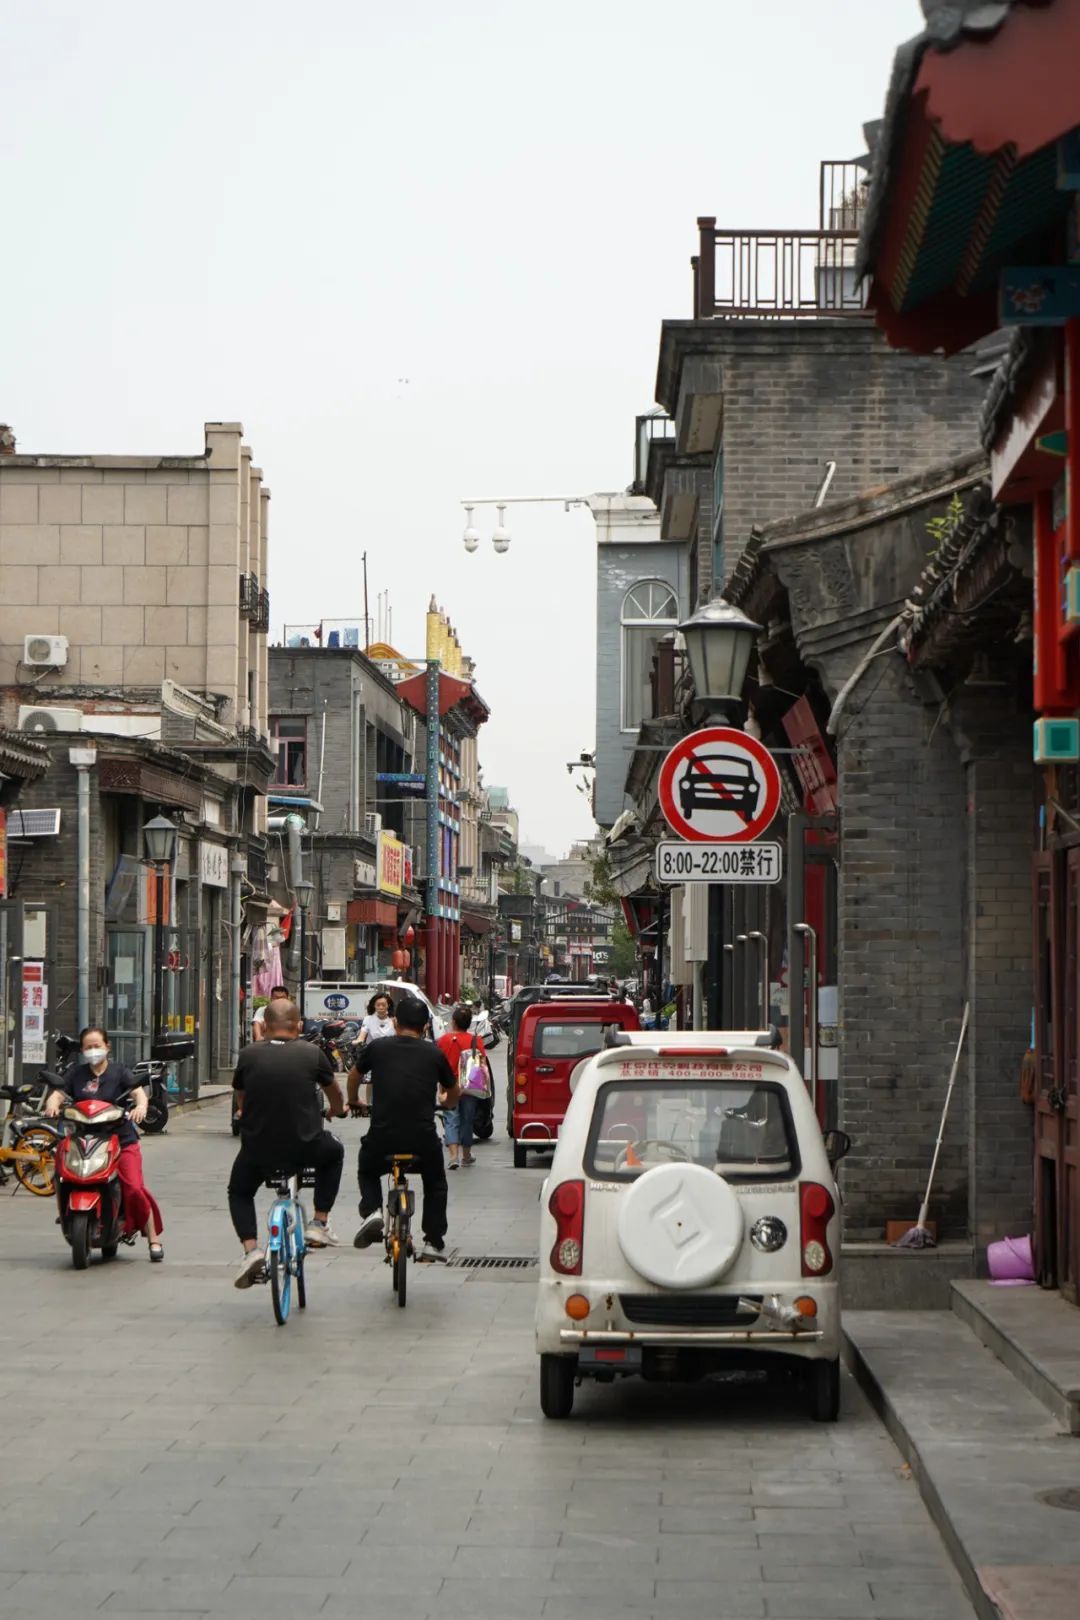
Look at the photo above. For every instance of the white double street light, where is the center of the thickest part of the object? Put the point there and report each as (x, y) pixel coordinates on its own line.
(500, 535)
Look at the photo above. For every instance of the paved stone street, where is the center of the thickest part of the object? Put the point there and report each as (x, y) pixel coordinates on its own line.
(170, 1451)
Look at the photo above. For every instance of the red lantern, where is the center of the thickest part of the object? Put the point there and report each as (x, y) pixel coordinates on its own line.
(400, 959)
(409, 935)
(408, 958)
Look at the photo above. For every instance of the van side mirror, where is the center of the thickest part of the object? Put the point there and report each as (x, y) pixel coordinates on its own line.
(837, 1145)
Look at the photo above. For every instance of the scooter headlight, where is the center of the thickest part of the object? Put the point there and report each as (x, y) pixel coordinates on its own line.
(91, 1163)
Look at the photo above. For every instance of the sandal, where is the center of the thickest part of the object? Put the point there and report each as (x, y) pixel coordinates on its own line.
(157, 1252)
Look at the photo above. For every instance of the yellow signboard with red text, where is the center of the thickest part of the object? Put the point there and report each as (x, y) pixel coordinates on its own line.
(390, 864)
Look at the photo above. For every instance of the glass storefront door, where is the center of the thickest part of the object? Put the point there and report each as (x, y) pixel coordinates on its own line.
(128, 997)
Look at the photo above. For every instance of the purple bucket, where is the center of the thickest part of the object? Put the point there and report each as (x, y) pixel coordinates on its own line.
(1011, 1261)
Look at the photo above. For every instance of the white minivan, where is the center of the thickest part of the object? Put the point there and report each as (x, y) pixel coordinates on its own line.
(690, 1223)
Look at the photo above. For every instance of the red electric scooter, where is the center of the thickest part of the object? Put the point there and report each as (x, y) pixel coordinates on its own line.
(88, 1189)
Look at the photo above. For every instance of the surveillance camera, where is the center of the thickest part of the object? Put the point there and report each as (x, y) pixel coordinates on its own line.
(570, 768)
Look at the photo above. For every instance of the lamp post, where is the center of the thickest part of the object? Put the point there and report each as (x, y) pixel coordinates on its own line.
(304, 891)
(159, 835)
(719, 640)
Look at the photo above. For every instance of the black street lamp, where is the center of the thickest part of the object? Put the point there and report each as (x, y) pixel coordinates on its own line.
(304, 891)
(159, 835)
(719, 640)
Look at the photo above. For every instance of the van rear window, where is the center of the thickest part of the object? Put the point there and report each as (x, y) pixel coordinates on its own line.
(569, 1040)
(741, 1129)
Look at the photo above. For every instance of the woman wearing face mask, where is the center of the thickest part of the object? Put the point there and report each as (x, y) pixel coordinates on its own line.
(98, 1076)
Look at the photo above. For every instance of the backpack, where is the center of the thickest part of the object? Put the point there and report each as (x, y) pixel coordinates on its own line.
(472, 1072)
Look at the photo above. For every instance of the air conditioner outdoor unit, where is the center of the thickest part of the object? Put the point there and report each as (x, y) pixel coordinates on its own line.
(373, 822)
(50, 719)
(49, 652)
(33, 823)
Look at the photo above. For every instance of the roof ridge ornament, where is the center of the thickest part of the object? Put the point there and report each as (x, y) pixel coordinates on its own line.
(947, 20)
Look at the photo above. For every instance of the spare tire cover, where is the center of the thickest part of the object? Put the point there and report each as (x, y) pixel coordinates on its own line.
(680, 1225)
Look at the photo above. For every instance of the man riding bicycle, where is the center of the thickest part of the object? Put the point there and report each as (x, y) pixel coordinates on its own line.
(407, 1074)
(281, 1128)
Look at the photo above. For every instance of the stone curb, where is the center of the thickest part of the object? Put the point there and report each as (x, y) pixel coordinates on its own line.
(872, 1388)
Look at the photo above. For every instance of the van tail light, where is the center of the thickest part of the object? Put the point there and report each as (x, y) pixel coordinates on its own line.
(816, 1209)
(567, 1205)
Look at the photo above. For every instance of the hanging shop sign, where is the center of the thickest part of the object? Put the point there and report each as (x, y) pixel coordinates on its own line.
(364, 875)
(719, 785)
(390, 858)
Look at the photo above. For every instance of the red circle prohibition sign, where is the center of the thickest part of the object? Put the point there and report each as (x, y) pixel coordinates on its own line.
(719, 786)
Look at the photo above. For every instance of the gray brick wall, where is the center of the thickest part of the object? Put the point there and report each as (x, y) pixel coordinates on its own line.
(798, 396)
(901, 914)
(936, 829)
(995, 743)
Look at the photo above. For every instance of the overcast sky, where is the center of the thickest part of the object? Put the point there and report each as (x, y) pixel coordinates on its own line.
(422, 251)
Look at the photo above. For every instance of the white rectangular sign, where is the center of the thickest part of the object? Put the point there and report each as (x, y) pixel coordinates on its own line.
(719, 863)
(213, 864)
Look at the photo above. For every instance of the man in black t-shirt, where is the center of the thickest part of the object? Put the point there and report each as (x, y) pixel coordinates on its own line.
(281, 1128)
(405, 1073)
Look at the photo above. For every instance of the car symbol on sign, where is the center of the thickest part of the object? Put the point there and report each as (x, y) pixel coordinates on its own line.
(719, 782)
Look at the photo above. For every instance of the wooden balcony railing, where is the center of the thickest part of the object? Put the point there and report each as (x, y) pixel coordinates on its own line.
(778, 275)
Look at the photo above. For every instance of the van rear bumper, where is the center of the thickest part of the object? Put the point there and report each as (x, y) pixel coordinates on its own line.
(536, 1133)
(690, 1336)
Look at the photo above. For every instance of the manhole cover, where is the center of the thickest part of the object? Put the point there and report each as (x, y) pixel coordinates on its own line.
(1066, 1496)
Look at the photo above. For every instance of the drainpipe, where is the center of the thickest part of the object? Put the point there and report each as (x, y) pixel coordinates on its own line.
(322, 759)
(294, 826)
(83, 760)
(237, 924)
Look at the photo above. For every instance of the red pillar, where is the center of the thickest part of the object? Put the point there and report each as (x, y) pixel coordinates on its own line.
(444, 956)
(429, 958)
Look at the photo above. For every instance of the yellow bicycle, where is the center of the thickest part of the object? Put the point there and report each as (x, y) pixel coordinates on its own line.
(31, 1152)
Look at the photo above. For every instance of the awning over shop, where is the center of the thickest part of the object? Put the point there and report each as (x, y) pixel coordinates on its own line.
(474, 923)
(372, 913)
(966, 166)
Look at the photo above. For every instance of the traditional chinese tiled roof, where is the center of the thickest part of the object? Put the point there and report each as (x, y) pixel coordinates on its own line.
(22, 756)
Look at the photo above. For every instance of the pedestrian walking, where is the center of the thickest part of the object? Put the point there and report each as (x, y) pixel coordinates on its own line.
(466, 1056)
(379, 1022)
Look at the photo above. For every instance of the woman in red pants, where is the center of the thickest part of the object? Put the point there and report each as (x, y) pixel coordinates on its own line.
(98, 1076)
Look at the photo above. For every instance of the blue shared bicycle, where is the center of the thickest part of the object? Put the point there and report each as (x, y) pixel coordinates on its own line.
(285, 1248)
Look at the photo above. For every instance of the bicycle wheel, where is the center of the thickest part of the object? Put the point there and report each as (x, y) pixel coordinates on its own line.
(401, 1264)
(301, 1289)
(37, 1175)
(280, 1286)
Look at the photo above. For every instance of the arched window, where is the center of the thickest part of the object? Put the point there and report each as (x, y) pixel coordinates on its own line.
(650, 611)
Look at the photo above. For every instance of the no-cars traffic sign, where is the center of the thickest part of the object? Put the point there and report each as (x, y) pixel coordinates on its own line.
(719, 786)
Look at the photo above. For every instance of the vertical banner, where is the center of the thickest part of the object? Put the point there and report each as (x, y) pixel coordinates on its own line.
(35, 1002)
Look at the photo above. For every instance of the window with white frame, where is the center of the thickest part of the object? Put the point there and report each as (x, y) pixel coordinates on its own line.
(650, 611)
